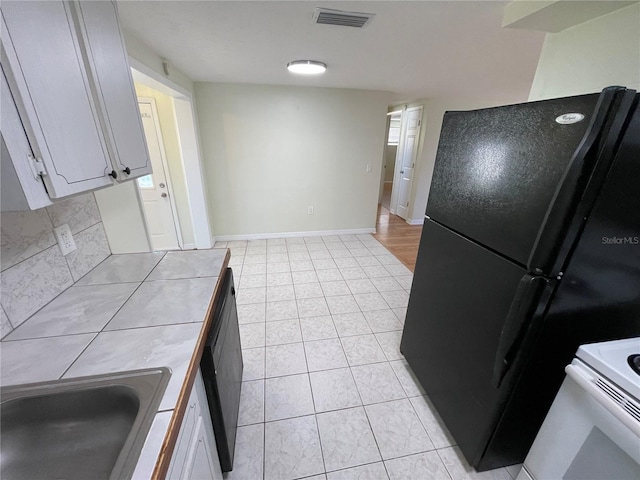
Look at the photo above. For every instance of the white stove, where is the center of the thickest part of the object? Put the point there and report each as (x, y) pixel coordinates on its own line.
(611, 359)
(592, 430)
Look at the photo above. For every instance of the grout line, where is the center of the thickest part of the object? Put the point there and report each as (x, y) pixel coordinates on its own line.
(366, 414)
(79, 355)
(55, 244)
(8, 320)
(264, 424)
(445, 465)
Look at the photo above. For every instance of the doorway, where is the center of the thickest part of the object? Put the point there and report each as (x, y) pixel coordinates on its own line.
(392, 139)
(156, 191)
(121, 206)
(406, 157)
(402, 143)
(183, 153)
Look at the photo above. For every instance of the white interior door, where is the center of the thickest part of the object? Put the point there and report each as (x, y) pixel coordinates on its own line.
(406, 158)
(154, 188)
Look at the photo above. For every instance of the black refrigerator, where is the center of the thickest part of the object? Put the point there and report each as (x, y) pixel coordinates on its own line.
(530, 248)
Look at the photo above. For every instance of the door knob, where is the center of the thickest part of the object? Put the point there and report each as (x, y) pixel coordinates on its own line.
(163, 195)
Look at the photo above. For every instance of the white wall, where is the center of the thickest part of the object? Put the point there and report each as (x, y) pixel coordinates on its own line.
(587, 57)
(271, 151)
(146, 56)
(122, 217)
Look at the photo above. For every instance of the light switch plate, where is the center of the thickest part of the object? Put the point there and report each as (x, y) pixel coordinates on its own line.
(65, 239)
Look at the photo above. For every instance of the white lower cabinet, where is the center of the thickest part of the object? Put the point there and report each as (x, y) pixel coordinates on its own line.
(199, 463)
(195, 456)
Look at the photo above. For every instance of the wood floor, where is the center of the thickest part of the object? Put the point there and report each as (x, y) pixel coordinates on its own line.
(398, 236)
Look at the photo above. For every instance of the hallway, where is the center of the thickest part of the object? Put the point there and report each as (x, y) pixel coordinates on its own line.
(398, 236)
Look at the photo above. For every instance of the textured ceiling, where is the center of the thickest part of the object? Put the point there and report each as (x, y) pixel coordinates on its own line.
(414, 49)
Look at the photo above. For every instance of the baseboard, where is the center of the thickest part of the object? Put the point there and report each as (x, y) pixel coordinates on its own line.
(189, 246)
(418, 221)
(317, 233)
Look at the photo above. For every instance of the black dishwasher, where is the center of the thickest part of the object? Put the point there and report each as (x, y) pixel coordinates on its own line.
(221, 366)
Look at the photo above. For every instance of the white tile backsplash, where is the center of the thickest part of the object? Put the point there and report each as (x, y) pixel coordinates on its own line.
(92, 249)
(5, 324)
(34, 282)
(24, 234)
(80, 213)
(33, 269)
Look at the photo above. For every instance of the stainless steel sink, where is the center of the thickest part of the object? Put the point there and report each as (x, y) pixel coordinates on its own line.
(84, 428)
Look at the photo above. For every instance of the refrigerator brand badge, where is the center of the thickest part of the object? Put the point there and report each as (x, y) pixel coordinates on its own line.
(569, 118)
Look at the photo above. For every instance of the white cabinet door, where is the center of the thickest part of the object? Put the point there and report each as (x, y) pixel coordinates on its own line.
(22, 187)
(195, 456)
(98, 21)
(199, 462)
(181, 449)
(42, 58)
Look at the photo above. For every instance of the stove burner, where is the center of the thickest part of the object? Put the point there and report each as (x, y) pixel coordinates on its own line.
(634, 363)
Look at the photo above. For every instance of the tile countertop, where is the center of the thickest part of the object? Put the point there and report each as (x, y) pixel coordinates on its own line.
(132, 311)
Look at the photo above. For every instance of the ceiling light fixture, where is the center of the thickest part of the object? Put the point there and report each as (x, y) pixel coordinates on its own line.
(306, 67)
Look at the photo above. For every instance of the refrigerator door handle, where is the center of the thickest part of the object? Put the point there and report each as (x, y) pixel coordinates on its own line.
(599, 140)
(516, 324)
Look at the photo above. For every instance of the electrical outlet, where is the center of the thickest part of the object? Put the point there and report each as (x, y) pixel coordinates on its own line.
(369, 168)
(65, 239)
(310, 210)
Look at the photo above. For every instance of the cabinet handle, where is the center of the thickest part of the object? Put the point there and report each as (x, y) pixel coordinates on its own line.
(113, 174)
(127, 170)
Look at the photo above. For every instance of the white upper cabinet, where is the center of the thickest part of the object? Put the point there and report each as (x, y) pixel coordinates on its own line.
(66, 68)
(22, 187)
(117, 98)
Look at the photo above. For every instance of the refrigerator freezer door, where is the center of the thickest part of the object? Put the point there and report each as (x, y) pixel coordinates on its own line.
(459, 301)
(497, 170)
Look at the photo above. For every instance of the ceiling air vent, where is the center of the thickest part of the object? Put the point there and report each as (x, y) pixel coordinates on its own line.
(327, 16)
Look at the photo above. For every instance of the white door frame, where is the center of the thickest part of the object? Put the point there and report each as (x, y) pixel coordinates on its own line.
(186, 125)
(167, 173)
(384, 159)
